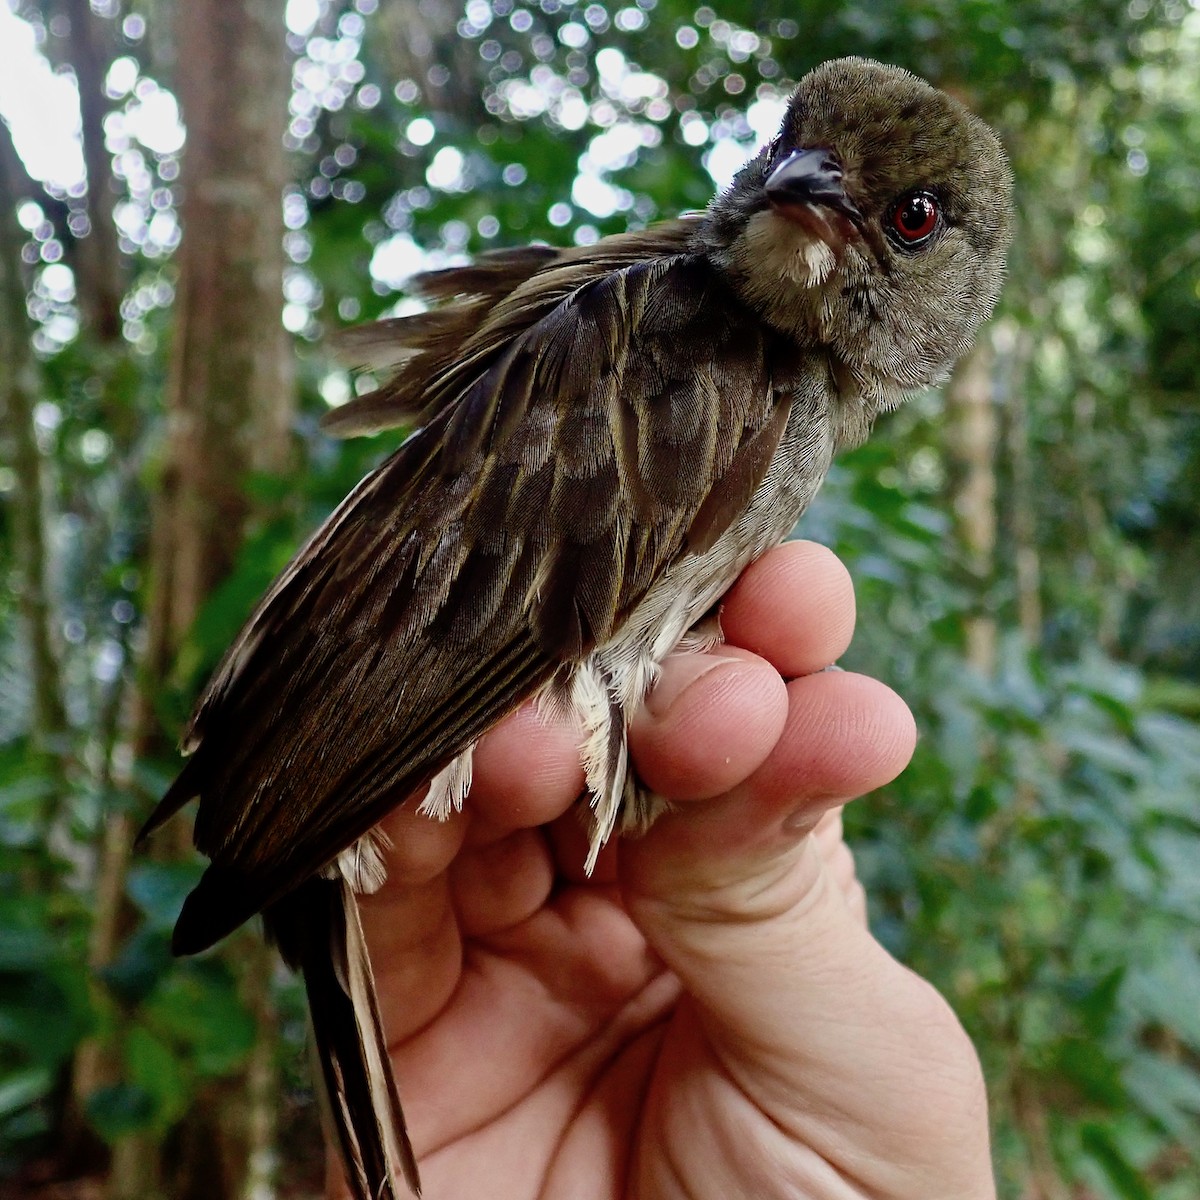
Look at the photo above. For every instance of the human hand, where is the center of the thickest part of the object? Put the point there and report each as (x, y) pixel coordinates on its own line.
(707, 1016)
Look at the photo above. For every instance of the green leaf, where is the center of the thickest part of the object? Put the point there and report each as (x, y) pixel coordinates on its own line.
(23, 1088)
(1121, 1173)
(198, 1010)
(157, 1070)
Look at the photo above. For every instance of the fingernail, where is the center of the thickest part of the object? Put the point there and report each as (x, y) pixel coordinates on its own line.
(680, 671)
(801, 821)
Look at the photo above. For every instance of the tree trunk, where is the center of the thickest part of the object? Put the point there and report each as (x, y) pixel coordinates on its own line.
(230, 403)
(971, 436)
(230, 393)
(99, 267)
(1026, 559)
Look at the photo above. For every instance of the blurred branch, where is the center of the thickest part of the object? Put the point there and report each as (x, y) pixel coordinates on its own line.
(971, 436)
(19, 387)
(99, 267)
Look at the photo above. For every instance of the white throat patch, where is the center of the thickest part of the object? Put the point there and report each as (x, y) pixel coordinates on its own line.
(796, 255)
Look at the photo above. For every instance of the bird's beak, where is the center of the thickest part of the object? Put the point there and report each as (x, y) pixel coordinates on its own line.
(808, 178)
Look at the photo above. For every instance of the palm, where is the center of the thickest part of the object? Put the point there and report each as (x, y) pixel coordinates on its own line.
(535, 1098)
(536, 995)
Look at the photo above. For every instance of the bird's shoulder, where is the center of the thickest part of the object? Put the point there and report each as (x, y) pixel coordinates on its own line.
(471, 311)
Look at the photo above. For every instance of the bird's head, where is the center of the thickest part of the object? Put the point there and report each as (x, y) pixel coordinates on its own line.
(875, 224)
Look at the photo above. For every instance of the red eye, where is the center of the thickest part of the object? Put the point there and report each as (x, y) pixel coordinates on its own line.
(914, 218)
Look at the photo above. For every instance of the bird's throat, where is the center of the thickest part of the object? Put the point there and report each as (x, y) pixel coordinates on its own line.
(795, 245)
(778, 266)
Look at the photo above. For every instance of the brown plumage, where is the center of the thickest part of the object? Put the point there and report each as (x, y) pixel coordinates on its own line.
(606, 437)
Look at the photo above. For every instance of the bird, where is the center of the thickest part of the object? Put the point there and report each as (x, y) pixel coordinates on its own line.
(601, 439)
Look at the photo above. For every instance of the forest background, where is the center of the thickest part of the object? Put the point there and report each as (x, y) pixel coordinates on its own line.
(240, 178)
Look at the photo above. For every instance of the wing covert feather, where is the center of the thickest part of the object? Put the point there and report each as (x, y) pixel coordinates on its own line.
(480, 307)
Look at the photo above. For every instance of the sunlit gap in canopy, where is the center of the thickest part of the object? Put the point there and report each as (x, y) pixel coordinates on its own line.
(144, 135)
(40, 107)
(626, 106)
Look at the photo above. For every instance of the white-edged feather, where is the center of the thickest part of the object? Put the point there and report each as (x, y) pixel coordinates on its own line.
(362, 863)
(449, 787)
(360, 985)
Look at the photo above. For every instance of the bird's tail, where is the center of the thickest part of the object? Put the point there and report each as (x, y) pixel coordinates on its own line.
(318, 931)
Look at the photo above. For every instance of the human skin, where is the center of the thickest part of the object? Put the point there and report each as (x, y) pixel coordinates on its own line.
(708, 1014)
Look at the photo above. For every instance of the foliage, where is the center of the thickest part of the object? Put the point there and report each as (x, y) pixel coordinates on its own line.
(1037, 860)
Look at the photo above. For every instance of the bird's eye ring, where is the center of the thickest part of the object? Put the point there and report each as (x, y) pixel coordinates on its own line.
(914, 219)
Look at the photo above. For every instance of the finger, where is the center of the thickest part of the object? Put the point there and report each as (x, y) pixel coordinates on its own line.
(740, 869)
(527, 769)
(554, 996)
(794, 607)
(570, 844)
(828, 830)
(843, 735)
(416, 952)
(501, 883)
(416, 847)
(710, 721)
(409, 923)
(839, 862)
(525, 772)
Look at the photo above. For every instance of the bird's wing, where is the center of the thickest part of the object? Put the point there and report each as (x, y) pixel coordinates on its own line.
(475, 308)
(500, 543)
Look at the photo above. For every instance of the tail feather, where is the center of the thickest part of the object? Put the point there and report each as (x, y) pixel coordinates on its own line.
(186, 785)
(318, 931)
